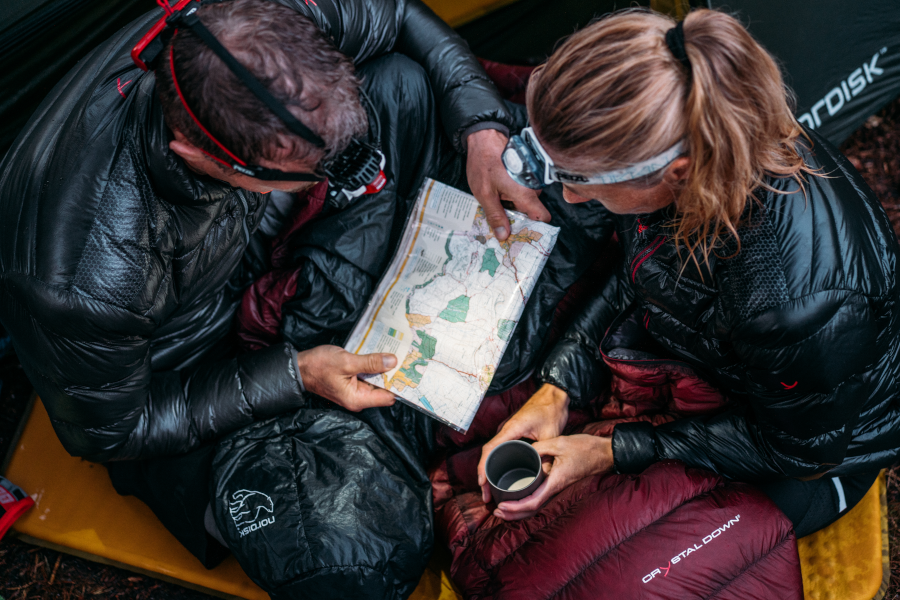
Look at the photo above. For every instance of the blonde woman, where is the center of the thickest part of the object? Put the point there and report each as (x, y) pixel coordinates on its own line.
(753, 252)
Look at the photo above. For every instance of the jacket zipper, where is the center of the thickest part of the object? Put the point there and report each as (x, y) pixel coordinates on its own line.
(644, 254)
(244, 227)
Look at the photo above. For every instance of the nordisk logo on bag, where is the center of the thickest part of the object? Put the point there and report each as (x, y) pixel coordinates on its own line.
(664, 571)
(844, 92)
(249, 511)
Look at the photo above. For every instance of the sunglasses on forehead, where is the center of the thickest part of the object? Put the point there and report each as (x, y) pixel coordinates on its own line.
(356, 171)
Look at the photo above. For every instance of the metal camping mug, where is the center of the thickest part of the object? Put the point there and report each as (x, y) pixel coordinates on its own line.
(513, 470)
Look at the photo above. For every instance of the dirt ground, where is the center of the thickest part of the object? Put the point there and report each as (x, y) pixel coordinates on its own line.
(31, 572)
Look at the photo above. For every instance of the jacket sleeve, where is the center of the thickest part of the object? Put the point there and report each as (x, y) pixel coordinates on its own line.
(90, 362)
(330, 296)
(466, 96)
(365, 29)
(805, 362)
(575, 364)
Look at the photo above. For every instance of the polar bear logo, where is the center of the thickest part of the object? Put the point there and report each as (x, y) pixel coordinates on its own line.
(247, 506)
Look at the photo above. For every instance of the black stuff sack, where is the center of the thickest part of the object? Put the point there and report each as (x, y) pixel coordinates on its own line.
(323, 504)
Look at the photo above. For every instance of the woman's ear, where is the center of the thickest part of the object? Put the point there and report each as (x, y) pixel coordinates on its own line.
(677, 171)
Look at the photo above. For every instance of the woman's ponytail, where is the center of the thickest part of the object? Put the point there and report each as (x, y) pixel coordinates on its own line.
(739, 127)
(615, 94)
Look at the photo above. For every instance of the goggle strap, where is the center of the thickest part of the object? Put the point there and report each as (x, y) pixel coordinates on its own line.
(192, 22)
(552, 173)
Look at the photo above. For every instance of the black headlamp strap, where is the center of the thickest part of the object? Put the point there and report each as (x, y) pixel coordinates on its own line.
(192, 22)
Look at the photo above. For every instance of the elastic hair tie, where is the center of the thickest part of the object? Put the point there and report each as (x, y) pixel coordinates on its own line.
(675, 42)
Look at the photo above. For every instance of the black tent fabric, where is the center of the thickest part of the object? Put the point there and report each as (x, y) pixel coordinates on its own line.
(841, 58)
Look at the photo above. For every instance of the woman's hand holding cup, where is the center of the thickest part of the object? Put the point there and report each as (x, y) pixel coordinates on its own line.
(574, 457)
(543, 417)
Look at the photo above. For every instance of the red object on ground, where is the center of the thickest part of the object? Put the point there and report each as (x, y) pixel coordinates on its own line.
(14, 502)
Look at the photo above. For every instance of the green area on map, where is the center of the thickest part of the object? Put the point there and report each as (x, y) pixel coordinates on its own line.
(412, 373)
(425, 345)
(456, 311)
(505, 328)
(489, 262)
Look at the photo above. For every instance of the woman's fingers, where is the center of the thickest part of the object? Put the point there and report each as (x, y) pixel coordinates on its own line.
(506, 434)
(552, 447)
(514, 429)
(526, 507)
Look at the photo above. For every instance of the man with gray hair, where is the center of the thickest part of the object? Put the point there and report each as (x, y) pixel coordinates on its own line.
(134, 209)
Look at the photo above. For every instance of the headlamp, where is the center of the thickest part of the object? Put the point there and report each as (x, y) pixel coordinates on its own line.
(358, 170)
(528, 164)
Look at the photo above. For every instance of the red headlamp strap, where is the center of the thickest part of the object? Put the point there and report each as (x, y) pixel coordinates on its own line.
(165, 6)
(191, 113)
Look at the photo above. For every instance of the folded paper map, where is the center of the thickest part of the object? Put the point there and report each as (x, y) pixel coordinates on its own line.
(450, 301)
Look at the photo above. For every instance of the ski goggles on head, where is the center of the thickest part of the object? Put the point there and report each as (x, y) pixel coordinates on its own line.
(528, 164)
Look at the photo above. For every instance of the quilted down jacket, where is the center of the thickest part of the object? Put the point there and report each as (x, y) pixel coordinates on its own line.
(797, 326)
(115, 259)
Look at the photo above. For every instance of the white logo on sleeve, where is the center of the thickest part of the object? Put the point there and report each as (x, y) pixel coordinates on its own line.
(251, 511)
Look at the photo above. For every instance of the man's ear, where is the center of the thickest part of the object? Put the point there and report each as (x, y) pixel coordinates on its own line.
(677, 171)
(186, 150)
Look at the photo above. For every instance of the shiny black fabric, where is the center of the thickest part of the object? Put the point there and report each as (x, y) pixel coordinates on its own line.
(799, 327)
(325, 504)
(339, 258)
(338, 265)
(365, 29)
(117, 264)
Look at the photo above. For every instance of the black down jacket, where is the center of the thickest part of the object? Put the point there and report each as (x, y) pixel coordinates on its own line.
(115, 259)
(799, 328)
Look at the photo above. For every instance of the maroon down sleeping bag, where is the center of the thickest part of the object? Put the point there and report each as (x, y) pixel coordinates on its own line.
(670, 532)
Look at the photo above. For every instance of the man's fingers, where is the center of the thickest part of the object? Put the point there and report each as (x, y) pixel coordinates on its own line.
(378, 397)
(367, 396)
(371, 363)
(528, 203)
(496, 216)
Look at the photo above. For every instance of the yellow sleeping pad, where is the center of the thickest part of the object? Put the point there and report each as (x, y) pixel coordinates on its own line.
(77, 511)
(458, 12)
(849, 559)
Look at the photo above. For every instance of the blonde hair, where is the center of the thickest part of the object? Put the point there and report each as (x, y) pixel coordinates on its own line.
(614, 95)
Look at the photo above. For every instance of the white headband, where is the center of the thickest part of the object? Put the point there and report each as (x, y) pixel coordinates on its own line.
(651, 165)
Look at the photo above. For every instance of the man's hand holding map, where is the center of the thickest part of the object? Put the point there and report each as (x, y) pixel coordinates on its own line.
(449, 302)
